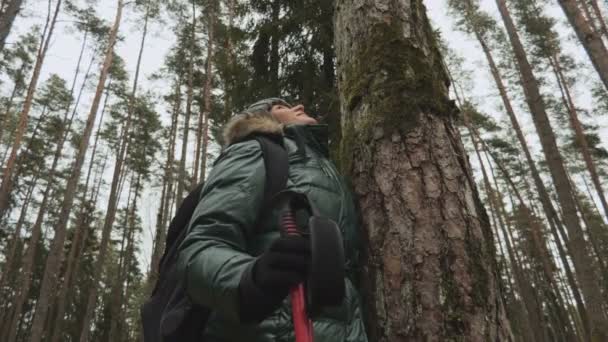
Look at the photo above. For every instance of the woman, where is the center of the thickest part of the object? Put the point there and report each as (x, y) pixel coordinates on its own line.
(244, 277)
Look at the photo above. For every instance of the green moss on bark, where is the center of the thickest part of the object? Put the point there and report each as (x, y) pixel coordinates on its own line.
(395, 79)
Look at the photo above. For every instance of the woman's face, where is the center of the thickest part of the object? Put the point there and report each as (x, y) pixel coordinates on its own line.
(292, 115)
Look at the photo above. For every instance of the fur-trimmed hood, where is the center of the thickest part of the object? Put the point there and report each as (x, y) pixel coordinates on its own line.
(243, 125)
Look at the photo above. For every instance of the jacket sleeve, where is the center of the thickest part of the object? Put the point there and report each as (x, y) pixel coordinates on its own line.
(213, 255)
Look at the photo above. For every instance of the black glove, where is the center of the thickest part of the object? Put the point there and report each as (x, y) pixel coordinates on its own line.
(266, 283)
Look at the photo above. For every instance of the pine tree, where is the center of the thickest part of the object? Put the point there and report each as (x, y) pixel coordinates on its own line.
(5, 187)
(382, 52)
(590, 39)
(578, 248)
(55, 256)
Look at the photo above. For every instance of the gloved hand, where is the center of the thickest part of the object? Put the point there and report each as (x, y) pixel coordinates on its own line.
(266, 283)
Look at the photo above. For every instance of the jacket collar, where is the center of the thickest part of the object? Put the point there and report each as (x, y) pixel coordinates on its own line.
(244, 125)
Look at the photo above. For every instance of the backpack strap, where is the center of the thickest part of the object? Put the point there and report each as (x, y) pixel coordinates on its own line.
(276, 164)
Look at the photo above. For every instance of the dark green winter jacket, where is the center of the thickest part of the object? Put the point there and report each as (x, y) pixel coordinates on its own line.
(221, 242)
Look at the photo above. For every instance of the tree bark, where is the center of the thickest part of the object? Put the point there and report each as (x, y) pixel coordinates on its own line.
(6, 186)
(55, 256)
(591, 41)
(430, 271)
(7, 18)
(578, 247)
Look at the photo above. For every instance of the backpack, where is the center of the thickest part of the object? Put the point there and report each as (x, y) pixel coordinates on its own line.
(169, 315)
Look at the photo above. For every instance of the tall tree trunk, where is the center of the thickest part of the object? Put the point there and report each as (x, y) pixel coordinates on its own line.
(591, 41)
(600, 17)
(81, 229)
(203, 119)
(578, 247)
(7, 18)
(182, 161)
(429, 268)
(554, 221)
(118, 297)
(162, 218)
(207, 96)
(9, 257)
(578, 131)
(55, 256)
(30, 252)
(6, 186)
(273, 78)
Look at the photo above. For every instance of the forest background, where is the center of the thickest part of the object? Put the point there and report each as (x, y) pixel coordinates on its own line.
(259, 48)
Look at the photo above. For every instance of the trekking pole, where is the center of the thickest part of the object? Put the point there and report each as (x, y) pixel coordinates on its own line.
(302, 324)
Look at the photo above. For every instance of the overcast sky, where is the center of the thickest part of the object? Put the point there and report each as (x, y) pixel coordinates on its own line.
(65, 47)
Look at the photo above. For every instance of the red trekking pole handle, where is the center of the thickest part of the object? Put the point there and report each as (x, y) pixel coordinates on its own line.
(302, 324)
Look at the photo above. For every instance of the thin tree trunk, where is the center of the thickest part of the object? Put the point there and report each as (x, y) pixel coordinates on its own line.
(591, 41)
(578, 248)
(203, 119)
(600, 17)
(55, 256)
(182, 162)
(165, 207)
(578, 131)
(6, 186)
(554, 221)
(30, 253)
(424, 223)
(207, 96)
(9, 257)
(7, 18)
(590, 18)
(79, 237)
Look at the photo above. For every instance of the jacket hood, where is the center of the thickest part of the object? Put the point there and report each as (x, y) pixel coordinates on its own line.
(245, 124)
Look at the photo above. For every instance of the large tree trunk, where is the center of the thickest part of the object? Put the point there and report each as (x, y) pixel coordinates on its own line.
(582, 261)
(55, 256)
(7, 184)
(591, 40)
(430, 271)
(7, 18)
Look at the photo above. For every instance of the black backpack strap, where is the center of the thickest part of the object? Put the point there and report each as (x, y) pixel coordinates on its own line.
(276, 164)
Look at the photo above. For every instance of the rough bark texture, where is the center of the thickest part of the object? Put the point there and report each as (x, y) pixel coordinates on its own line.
(53, 262)
(591, 40)
(7, 184)
(582, 261)
(430, 272)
